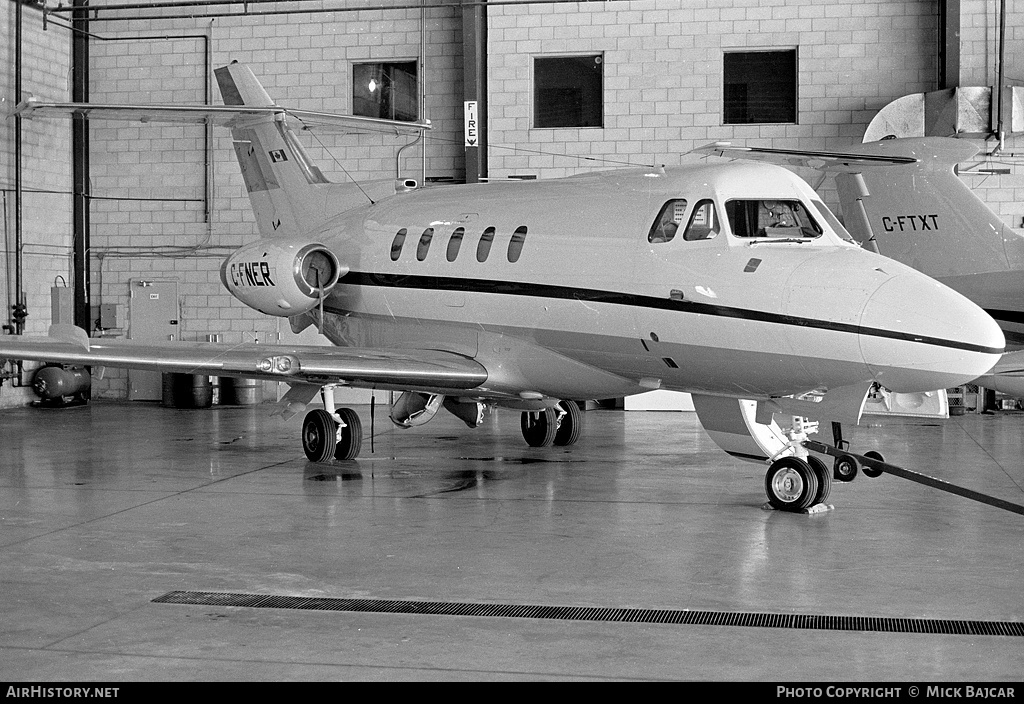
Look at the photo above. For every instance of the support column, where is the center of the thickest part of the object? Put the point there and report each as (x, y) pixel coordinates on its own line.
(949, 44)
(80, 167)
(474, 63)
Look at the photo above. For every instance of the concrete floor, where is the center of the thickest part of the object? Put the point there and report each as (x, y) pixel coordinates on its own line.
(106, 507)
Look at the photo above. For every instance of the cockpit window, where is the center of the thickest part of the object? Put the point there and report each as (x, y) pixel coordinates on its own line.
(829, 217)
(704, 224)
(668, 221)
(771, 218)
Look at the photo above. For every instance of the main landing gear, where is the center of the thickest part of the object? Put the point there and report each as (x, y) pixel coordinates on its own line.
(552, 426)
(328, 432)
(801, 481)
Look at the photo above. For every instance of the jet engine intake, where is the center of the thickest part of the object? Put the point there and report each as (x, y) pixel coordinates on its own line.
(281, 278)
(413, 408)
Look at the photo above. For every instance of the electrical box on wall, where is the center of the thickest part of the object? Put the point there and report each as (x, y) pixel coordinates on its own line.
(62, 306)
(109, 317)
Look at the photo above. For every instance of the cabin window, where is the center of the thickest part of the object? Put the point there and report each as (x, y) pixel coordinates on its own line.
(484, 247)
(770, 218)
(668, 221)
(385, 90)
(760, 87)
(704, 223)
(455, 243)
(424, 246)
(396, 246)
(568, 91)
(515, 245)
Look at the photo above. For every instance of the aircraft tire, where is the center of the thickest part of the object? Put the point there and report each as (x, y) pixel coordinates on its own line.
(845, 468)
(569, 429)
(870, 471)
(539, 427)
(791, 484)
(824, 478)
(351, 440)
(319, 435)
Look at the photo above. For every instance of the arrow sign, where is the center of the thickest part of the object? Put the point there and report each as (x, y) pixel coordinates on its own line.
(472, 125)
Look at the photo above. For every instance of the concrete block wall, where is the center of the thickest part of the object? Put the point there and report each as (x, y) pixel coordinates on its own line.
(46, 179)
(663, 78)
(663, 74)
(304, 61)
(979, 49)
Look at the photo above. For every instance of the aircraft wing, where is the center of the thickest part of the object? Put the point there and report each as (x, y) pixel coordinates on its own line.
(226, 115)
(365, 367)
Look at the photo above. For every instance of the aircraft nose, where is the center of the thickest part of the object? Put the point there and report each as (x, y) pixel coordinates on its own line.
(920, 335)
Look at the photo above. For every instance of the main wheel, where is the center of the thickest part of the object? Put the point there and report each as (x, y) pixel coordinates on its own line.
(824, 478)
(319, 435)
(569, 428)
(350, 439)
(791, 484)
(871, 471)
(539, 427)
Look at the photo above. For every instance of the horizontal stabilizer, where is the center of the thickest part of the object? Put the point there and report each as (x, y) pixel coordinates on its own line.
(222, 115)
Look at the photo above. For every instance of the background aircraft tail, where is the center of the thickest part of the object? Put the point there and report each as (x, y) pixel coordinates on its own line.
(289, 194)
(924, 215)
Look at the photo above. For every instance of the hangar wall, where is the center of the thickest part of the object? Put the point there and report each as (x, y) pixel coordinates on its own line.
(45, 178)
(157, 218)
(168, 203)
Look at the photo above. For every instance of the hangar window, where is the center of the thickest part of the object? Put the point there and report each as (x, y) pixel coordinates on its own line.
(454, 243)
(568, 91)
(515, 245)
(760, 87)
(484, 247)
(424, 246)
(704, 223)
(770, 218)
(396, 246)
(668, 221)
(385, 90)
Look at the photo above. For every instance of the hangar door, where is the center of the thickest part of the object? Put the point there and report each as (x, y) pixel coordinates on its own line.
(152, 317)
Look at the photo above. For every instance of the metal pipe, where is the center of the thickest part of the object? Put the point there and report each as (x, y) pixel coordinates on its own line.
(423, 90)
(114, 7)
(1000, 134)
(18, 317)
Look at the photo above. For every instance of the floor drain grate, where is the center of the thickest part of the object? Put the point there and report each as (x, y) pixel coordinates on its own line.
(594, 613)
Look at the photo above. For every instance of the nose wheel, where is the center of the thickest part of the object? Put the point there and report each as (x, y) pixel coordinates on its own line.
(796, 484)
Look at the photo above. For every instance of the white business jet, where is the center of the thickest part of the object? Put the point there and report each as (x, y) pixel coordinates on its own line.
(729, 281)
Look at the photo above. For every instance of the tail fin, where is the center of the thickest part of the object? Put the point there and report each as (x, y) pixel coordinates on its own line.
(288, 193)
(923, 215)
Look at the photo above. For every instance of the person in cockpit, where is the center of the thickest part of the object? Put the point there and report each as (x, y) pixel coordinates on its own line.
(773, 214)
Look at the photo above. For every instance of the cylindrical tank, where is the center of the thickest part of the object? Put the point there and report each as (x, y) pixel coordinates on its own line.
(53, 383)
(187, 391)
(240, 392)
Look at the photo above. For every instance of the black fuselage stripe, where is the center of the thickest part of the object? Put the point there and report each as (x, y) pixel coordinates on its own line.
(535, 290)
(1007, 316)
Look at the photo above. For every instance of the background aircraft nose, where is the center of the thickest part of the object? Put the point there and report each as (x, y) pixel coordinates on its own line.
(919, 335)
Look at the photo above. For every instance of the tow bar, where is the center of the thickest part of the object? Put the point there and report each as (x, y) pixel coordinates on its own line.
(874, 467)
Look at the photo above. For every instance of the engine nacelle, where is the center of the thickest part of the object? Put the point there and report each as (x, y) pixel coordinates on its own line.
(280, 277)
(413, 408)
